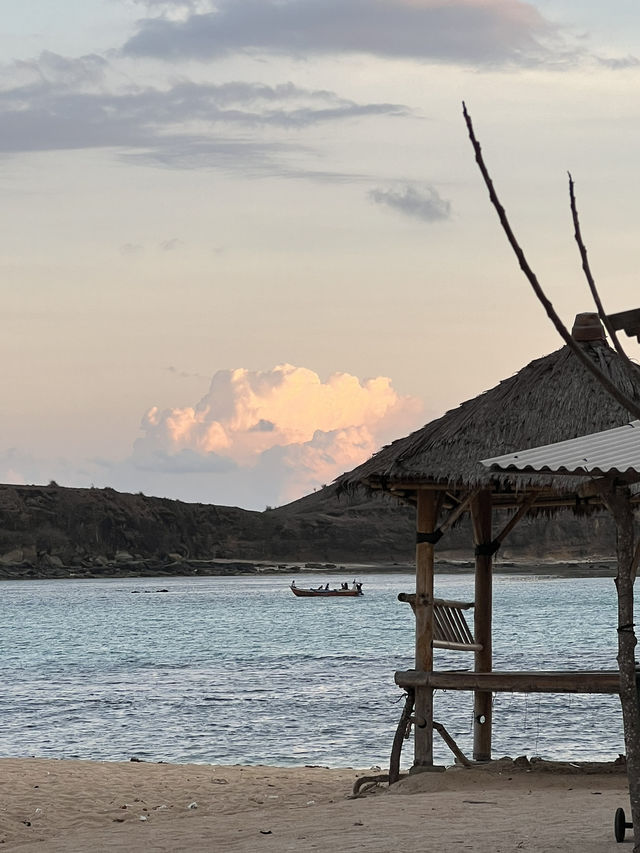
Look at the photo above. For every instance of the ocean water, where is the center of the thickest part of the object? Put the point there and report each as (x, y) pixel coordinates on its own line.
(238, 670)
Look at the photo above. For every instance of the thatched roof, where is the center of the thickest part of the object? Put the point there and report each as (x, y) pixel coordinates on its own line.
(551, 399)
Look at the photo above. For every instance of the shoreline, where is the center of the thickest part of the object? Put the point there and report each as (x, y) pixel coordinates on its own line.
(561, 568)
(71, 806)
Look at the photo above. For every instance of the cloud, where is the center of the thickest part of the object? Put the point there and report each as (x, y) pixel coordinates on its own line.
(171, 245)
(52, 69)
(185, 461)
(185, 374)
(56, 103)
(480, 32)
(263, 426)
(619, 63)
(131, 250)
(300, 468)
(424, 204)
(175, 9)
(256, 438)
(284, 431)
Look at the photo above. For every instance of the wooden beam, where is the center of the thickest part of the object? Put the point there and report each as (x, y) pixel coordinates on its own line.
(457, 647)
(453, 746)
(523, 509)
(414, 487)
(635, 561)
(450, 602)
(628, 321)
(548, 501)
(586, 494)
(410, 598)
(426, 521)
(481, 516)
(514, 682)
(457, 512)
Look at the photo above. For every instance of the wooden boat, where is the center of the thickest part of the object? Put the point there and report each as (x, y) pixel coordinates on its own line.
(352, 592)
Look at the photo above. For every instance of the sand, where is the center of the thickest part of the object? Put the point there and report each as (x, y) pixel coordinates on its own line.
(53, 806)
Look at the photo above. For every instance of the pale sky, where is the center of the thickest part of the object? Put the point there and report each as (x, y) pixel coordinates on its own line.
(245, 242)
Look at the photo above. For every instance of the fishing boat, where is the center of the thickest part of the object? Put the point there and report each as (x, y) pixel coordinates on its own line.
(324, 592)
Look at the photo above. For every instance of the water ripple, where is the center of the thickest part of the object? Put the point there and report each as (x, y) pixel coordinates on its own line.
(239, 671)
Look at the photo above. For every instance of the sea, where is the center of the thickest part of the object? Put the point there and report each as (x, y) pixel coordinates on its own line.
(239, 671)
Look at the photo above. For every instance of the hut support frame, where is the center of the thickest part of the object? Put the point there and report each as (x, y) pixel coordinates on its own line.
(479, 504)
(483, 680)
(428, 508)
(481, 513)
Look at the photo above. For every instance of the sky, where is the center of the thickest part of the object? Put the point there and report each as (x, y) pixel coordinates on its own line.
(245, 243)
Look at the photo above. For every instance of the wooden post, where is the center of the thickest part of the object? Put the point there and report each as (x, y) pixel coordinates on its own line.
(619, 502)
(426, 518)
(481, 513)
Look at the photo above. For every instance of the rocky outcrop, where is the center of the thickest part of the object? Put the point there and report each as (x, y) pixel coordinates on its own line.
(50, 531)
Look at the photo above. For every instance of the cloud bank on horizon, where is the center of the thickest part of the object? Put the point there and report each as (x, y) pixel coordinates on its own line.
(284, 429)
(264, 437)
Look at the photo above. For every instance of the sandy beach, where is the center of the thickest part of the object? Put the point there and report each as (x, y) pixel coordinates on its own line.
(56, 806)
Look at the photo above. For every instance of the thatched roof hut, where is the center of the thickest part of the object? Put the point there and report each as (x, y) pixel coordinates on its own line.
(438, 468)
(552, 399)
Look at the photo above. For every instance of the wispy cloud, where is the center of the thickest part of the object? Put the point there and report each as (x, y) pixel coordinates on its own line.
(419, 203)
(620, 63)
(185, 374)
(57, 103)
(171, 245)
(131, 250)
(176, 9)
(481, 32)
(185, 461)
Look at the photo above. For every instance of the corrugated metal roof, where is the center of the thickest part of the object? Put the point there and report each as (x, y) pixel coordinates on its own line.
(613, 451)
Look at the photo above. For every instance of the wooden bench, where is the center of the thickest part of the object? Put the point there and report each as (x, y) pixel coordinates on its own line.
(450, 629)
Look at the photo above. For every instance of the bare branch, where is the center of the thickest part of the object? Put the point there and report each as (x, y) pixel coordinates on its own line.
(591, 282)
(631, 405)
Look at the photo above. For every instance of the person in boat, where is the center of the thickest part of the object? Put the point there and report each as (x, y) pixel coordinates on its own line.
(293, 583)
(359, 587)
(326, 587)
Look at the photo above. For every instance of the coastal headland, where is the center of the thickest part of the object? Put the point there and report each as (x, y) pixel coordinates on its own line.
(54, 532)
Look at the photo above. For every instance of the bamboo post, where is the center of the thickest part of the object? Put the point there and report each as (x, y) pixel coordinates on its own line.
(481, 515)
(619, 503)
(426, 518)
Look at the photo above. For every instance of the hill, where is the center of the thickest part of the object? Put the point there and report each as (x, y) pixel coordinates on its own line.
(51, 531)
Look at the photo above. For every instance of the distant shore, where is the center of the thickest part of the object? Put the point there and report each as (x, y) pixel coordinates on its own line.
(183, 567)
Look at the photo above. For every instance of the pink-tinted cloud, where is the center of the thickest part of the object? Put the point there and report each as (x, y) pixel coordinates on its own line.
(285, 426)
(256, 438)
